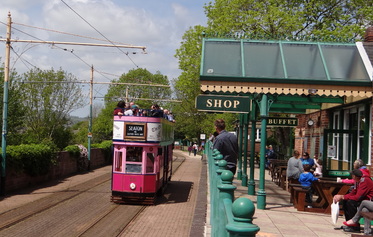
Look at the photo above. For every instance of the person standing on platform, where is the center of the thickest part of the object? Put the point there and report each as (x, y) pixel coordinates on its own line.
(195, 149)
(295, 167)
(190, 148)
(226, 143)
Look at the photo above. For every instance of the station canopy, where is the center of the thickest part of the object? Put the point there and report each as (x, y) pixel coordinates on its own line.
(301, 75)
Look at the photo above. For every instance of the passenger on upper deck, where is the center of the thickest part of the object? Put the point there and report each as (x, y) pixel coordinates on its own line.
(155, 111)
(119, 110)
(168, 115)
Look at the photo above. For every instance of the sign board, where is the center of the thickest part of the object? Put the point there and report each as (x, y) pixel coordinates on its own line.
(134, 131)
(282, 122)
(118, 130)
(154, 132)
(202, 136)
(343, 173)
(332, 151)
(219, 103)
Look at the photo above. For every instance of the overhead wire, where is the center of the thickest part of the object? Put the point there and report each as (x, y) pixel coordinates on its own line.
(66, 33)
(126, 53)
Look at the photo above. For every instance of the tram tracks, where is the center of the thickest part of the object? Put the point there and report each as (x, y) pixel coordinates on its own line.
(65, 212)
(21, 213)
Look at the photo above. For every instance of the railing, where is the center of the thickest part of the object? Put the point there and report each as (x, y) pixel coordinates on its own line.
(228, 217)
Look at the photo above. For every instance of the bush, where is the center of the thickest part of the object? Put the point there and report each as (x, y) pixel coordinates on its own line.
(33, 159)
(73, 150)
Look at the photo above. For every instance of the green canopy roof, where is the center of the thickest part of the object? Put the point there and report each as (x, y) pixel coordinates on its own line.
(283, 62)
(297, 75)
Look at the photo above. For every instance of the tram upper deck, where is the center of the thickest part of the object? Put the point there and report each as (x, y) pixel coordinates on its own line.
(129, 130)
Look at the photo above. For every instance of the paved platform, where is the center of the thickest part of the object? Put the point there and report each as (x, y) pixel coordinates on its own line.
(189, 216)
(280, 218)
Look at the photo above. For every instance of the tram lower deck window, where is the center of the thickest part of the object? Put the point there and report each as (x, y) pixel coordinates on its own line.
(133, 168)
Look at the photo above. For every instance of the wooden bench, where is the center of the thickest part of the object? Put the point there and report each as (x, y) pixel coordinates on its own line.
(298, 196)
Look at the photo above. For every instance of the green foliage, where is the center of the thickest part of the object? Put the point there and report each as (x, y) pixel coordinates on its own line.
(73, 150)
(51, 97)
(80, 132)
(142, 94)
(331, 19)
(16, 109)
(34, 159)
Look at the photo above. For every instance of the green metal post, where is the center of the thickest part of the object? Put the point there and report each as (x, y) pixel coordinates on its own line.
(5, 106)
(244, 175)
(90, 121)
(251, 184)
(239, 170)
(261, 199)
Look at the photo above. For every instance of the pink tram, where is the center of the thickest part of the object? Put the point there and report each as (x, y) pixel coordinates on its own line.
(142, 163)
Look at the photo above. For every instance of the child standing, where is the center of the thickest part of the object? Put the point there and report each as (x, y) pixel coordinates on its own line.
(305, 179)
(318, 170)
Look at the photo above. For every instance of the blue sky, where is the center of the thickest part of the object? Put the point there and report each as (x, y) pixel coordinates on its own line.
(157, 25)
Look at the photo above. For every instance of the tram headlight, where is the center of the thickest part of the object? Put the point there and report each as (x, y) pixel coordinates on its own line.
(132, 186)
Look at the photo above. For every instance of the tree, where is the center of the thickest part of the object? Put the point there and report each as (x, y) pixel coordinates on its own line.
(291, 18)
(49, 97)
(16, 108)
(143, 96)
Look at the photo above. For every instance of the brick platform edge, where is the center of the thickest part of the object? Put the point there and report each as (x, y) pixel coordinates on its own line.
(199, 218)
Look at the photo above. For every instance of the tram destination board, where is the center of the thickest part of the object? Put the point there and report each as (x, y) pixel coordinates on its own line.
(135, 131)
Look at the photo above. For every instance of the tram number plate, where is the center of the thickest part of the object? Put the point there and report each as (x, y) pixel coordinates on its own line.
(135, 130)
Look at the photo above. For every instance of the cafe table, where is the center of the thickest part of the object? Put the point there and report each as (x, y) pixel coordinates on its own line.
(326, 188)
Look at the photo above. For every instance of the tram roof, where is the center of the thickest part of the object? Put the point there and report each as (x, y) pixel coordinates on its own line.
(287, 69)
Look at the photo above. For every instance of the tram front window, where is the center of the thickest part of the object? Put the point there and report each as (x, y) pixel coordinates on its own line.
(134, 160)
(134, 154)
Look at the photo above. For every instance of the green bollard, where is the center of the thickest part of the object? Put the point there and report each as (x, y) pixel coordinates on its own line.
(218, 158)
(243, 211)
(226, 192)
(222, 165)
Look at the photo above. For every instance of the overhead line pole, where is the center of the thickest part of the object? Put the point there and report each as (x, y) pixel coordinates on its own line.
(5, 106)
(90, 120)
